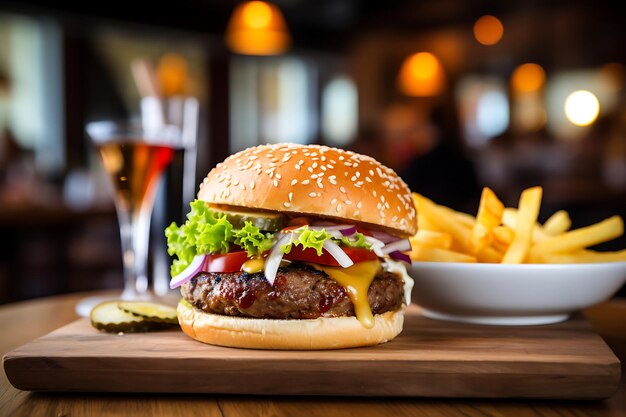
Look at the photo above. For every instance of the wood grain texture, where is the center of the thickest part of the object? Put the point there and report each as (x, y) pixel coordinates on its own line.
(25, 321)
(429, 358)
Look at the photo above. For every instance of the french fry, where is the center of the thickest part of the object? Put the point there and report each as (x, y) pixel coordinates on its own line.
(529, 204)
(579, 257)
(509, 218)
(578, 239)
(445, 221)
(558, 223)
(502, 238)
(465, 219)
(432, 238)
(430, 254)
(508, 235)
(489, 216)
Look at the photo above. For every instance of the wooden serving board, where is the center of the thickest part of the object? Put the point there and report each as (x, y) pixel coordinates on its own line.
(430, 358)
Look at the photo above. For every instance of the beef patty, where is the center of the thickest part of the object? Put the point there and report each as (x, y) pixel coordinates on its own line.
(299, 292)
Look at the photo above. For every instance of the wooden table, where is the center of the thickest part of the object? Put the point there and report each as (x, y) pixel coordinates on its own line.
(22, 322)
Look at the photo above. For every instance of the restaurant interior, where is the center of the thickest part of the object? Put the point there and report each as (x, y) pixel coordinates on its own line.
(454, 95)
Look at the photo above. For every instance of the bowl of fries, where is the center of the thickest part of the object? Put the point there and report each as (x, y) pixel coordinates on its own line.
(502, 267)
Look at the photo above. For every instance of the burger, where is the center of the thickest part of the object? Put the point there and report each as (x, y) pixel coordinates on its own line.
(294, 247)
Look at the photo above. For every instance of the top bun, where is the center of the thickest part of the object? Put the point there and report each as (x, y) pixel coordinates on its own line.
(313, 180)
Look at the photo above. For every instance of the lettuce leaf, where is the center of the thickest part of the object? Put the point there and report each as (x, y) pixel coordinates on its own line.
(307, 239)
(250, 238)
(208, 232)
(315, 239)
(357, 240)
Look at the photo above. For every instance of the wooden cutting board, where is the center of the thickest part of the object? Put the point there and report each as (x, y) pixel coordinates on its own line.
(430, 358)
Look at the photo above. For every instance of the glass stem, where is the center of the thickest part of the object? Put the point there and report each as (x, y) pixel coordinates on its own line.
(135, 235)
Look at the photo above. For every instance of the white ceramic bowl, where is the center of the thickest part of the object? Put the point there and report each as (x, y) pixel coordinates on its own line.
(512, 294)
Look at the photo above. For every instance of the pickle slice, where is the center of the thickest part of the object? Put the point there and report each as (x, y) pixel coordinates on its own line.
(109, 317)
(150, 311)
(269, 222)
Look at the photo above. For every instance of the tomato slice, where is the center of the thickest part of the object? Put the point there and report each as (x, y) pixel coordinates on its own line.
(227, 262)
(310, 255)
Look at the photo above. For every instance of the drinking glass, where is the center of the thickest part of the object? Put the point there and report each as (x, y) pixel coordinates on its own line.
(134, 159)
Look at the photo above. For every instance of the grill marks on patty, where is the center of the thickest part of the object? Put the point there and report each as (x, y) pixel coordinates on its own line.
(299, 292)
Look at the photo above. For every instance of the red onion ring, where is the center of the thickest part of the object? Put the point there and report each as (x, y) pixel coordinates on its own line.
(194, 267)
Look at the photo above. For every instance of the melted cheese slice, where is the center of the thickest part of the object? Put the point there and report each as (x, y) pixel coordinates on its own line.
(356, 280)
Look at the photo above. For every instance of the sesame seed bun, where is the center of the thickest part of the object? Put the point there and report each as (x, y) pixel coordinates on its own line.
(313, 180)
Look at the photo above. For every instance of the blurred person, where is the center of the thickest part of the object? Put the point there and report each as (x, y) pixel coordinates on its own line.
(614, 157)
(421, 144)
(19, 181)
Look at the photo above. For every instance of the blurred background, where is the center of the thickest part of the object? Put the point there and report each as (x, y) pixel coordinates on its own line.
(453, 94)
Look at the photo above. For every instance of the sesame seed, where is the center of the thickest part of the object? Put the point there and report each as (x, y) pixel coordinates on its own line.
(312, 194)
(314, 165)
(323, 158)
(253, 157)
(314, 176)
(287, 204)
(333, 201)
(323, 168)
(358, 174)
(348, 202)
(297, 167)
(356, 212)
(243, 187)
(332, 181)
(394, 218)
(305, 182)
(278, 176)
(368, 179)
(290, 196)
(343, 190)
(330, 166)
(353, 178)
(375, 194)
(371, 172)
(275, 183)
(341, 157)
(235, 182)
(338, 207)
(294, 182)
(319, 184)
(252, 185)
(310, 170)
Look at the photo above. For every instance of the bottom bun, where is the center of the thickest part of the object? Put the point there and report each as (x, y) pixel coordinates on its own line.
(313, 334)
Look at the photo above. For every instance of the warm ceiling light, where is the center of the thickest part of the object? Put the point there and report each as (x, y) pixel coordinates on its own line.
(528, 78)
(257, 28)
(488, 30)
(582, 108)
(172, 74)
(421, 75)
